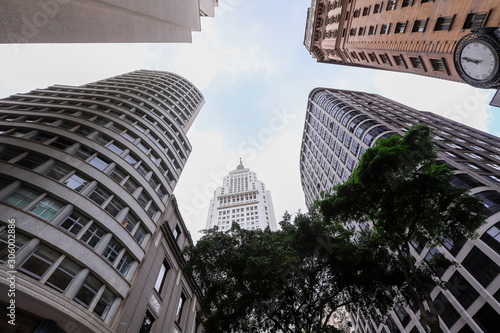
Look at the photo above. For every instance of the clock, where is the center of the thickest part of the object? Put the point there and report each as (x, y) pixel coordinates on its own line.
(477, 60)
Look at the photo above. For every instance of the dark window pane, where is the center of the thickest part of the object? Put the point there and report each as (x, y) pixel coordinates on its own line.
(63, 275)
(76, 182)
(57, 171)
(481, 266)
(99, 162)
(4, 244)
(39, 262)
(92, 236)
(462, 290)
(492, 237)
(446, 310)
(88, 290)
(487, 318)
(74, 223)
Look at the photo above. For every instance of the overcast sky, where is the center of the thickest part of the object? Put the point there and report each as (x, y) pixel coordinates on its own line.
(255, 73)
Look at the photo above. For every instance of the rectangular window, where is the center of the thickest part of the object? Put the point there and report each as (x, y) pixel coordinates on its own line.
(385, 58)
(487, 318)
(116, 148)
(400, 28)
(177, 232)
(140, 234)
(462, 290)
(444, 23)
(143, 199)
(180, 306)
(416, 62)
(475, 20)
(88, 291)
(76, 182)
(46, 208)
(407, 3)
(372, 30)
(132, 160)
(152, 210)
(366, 11)
(4, 244)
(61, 143)
(31, 161)
(39, 262)
(104, 304)
(92, 236)
(83, 153)
(99, 162)
(160, 279)
(117, 174)
(22, 197)
(361, 31)
(74, 223)
(377, 8)
(63, 275)
(114, 207)
(112, 251)
(57, 171)
(99, 195)
(147, 323)
(446, 310)
(391, 5)
(9, 153)
(438, 65)
(124, 265)
(419, 25)
(129, 222)
(384, 30)
(399, 60)
(481, 266)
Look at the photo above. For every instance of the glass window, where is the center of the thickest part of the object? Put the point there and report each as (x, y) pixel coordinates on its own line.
(99, 162)
(4, 244)
(180, 306)
(61, 143)
(46, 208)
(143, 199)
(142, 170)
(129, 222)
(114, 207)
(112, 251)
(491, 202)
(130, 185)
(462, 290)
(131, 159)
(22, 197)
(39, 262)
(9, 153)
(117, 175)
(140, 234)
(63, 275)
(162, 193)
(31, 161)
(104, 304)
(443, 23)
(116, 148)
(88, 291)
(57, 171)
(481, 266)
(177, 232)
(92, 236)
(147, 323)
(492, 237)
(487, 318)
(76, 182)
(83, 153)
(152, 210)
(160, 279)
(446, 310)
(124, 264)
(74, 223)
(99, 195)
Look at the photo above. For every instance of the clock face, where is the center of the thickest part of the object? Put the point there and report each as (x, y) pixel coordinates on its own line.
(479, 60)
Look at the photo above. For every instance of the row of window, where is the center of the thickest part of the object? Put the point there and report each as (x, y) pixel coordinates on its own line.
(58, 272)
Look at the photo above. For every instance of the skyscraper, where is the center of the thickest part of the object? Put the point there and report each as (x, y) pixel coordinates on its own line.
(105, 21)
(340, 125)
(86, 181)
(410, 36)
(242, 199)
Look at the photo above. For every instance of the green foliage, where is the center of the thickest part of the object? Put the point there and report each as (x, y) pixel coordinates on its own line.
(400, 190)
(288, 281)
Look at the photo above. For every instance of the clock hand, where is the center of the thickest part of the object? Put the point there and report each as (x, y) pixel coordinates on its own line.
(471, 60)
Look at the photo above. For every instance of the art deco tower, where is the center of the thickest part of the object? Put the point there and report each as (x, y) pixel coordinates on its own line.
(242, 199)
(86, 176)
(340, 125)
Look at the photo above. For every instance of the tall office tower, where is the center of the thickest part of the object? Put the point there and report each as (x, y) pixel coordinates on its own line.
(103, 21)
(410, 36)
(86, 181)
(341, 125)
(242, 199)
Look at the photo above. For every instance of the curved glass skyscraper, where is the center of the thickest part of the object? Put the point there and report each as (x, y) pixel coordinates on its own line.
(86, 174)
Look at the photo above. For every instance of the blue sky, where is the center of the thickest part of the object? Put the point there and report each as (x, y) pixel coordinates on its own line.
(251, 65)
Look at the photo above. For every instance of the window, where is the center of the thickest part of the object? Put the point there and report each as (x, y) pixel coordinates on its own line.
(131, 159)
(116, 148)
(481, 266)
(99, 195)
(88, 291)
(76, 182)
(160, 279)
(22, 197)
(399, 60)
(492, 237)
(391, 5)
(114, 207)
(462, 290)
(39, 261)
(180, 306)
(372, 30)
(61, 143)
(129, 222)
(475, 20)
(352, 32)
(177, 232)
(373, 58)
(31, 161)
(112, 251)
(152, 210)
(407, 3)
(361, 31)
(124, 265)
(384, 30)
(491, 202)
(400, 28)
(74, 223)
(366, 11)
(419, 26)
(57, 171)
(377, 8)
(444, 23)
(147, 323)
(117, 174)
(99, 162)
(46, 208)
(140, 234)
(92, 236)
(384, 58)
(464, 180)
(487, 318)
(143, 199)
(63, 275)
(83, 153)
(416, 62)
(4, 244)
(438, 65)
(8, 153)
(446, 310)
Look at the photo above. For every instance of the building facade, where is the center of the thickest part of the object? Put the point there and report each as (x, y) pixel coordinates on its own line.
(86, 181)
(105, 21)
(341, 125)
(242, 199)
(410, 36)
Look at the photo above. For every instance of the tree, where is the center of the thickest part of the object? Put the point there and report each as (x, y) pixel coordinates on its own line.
(291, 280)
(400, 190)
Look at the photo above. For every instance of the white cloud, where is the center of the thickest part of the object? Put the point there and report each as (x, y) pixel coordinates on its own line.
(454, 100)
(29, 66)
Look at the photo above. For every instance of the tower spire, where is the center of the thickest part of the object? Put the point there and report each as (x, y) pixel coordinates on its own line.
(240, 167)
